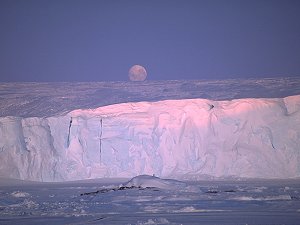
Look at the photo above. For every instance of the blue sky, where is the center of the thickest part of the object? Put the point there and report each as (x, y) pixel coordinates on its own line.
(94, 40)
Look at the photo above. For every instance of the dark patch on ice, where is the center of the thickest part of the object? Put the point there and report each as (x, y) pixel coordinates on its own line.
(122, 188)
(295, 198)
(212, 192)
(97, 219)
(230, 191)
(216, 192)
(211, 106)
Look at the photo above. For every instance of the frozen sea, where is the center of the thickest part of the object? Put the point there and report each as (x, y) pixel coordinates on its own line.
(156, 201)
(104, 202)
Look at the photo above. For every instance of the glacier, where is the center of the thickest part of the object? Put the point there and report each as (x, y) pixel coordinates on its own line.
(184, 139)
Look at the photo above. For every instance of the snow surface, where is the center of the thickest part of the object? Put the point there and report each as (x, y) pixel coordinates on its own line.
(151, 201)
(185, 139)
(26, 99)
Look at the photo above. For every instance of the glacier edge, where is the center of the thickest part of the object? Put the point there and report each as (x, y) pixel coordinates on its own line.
(191, 138)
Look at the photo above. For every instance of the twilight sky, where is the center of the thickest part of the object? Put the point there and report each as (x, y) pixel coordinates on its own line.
(98, 40)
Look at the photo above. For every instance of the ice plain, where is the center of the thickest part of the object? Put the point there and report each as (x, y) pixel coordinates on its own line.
(215, 178)
(156, 201)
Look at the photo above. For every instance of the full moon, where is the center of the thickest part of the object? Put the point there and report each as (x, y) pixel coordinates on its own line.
(137, 73)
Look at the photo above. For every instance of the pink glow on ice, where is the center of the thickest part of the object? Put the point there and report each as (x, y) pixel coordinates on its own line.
(173, 138)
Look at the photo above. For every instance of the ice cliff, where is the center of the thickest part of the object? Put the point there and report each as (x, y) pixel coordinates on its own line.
(193, 138)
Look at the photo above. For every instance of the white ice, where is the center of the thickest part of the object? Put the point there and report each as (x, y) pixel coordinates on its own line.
(185, 139)
(146, 181)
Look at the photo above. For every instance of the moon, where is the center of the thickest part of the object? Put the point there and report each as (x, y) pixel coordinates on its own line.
(137, 73)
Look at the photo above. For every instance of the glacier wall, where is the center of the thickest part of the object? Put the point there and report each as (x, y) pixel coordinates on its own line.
(192, 138)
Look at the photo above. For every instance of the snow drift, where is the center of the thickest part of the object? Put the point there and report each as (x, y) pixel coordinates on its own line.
(146, 181)
(257, 138)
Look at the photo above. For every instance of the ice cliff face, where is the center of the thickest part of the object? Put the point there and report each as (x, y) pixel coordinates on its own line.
(258, 138)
